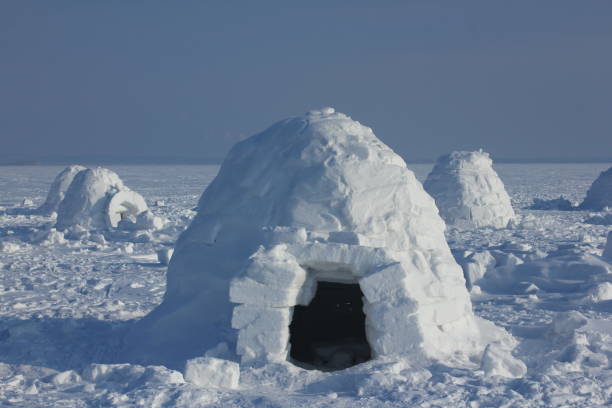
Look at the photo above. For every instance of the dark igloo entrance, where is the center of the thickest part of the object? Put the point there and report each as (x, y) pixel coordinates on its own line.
(329, 334)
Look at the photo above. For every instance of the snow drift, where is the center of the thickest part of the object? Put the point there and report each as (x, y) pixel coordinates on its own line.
(58, 189)
(468, 192)
(599, 195)
(98, 199)
(313, 201)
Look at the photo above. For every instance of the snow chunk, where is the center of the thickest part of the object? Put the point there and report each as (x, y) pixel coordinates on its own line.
(468, 192)
(566, 323)
(600, 293)
(164, 255)
(558, 204)
(496, 361)
(599, 195)
(58, 189)
(212, 372)
(604, 218)
(9, 247)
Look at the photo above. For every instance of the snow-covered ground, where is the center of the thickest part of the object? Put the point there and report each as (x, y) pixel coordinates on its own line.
(64, 307)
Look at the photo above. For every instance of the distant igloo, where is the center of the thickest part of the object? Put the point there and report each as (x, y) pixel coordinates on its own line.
(314, 244)
(98, 199)
(468, 192)
(58, 189)
(599, 195)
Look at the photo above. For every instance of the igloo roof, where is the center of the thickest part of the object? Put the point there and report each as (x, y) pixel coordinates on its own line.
(599, 195)
(322, 171)
(58, 189)
(468, 191)
(317, 193)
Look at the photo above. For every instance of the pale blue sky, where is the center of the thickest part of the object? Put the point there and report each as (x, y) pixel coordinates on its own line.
(186, 79)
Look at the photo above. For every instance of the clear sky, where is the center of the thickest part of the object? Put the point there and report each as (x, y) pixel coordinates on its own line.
(183, 79)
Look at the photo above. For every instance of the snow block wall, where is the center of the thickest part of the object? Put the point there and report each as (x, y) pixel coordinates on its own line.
(312, 198)
(599, 195)
(468, 192)
(97, 199)
(58, 189)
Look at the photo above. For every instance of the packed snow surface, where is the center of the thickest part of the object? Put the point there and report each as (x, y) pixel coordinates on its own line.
(65, 305)
(468, 192)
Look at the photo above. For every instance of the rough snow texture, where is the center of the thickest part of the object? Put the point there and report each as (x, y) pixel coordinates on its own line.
(316, 197)
(468, 192)
(599, 195)
(212, 372)
(97, 199)
(64, 308)
(58, 189)
(607, 253)
(559, 204)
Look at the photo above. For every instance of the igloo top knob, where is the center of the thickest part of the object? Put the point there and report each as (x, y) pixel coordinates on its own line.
(322, 112)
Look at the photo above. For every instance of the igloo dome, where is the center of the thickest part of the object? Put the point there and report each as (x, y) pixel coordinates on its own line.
(98, 199)
(468, 192)
(58, 189)
(599, 195)
(314, 244)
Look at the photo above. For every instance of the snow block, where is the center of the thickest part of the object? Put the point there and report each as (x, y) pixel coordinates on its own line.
(497, 361)
(212, 372)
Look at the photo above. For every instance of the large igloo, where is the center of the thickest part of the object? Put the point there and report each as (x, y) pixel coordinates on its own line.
(599, 195)
(468, 191)
(314, 244)
(58, 189)
(97, 199)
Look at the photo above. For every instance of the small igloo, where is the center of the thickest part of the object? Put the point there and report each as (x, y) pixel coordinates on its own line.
(58, 189)
(468, 191)
(599, 195)
(314, 244)
(98, 199)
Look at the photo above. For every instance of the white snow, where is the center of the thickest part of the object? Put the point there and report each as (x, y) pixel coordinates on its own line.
(58, 189)
(97, 199)
(212, 372)
(468, 192)
(312, 198)
(599, 195)
(64, 307)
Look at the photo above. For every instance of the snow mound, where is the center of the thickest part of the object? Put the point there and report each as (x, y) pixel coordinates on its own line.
(58, 189)
(599, 195)
(468, 192)
(97, 199)
(497, 361)
(604, 218)
(557, 204)
(311, 200)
